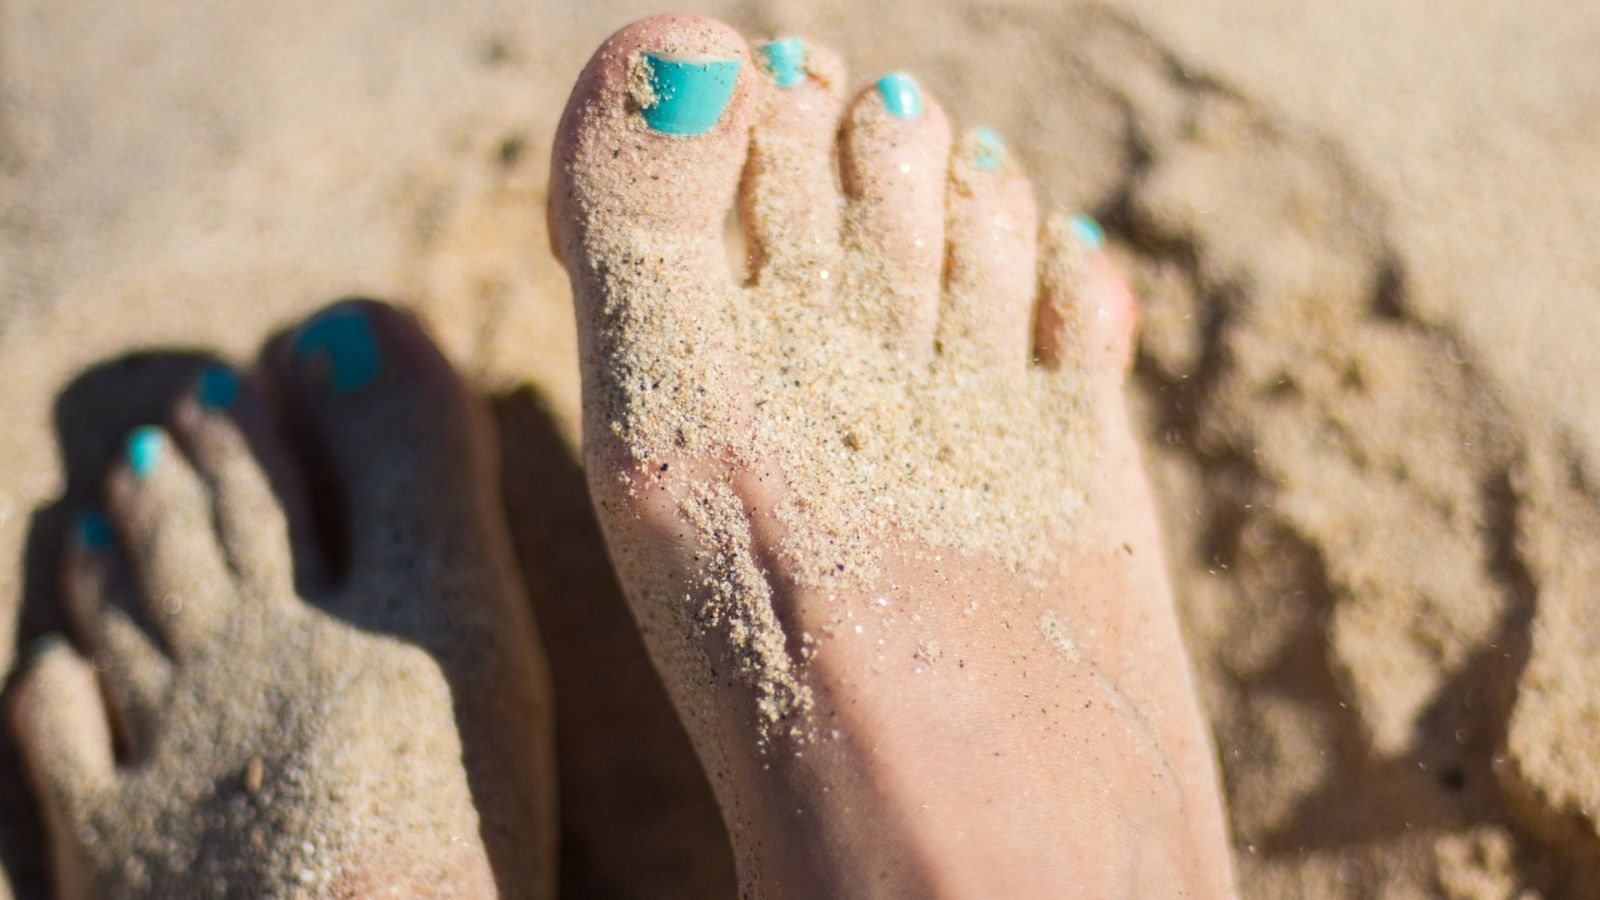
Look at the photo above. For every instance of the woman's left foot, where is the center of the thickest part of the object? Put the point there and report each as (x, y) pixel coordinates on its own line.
(384, 732)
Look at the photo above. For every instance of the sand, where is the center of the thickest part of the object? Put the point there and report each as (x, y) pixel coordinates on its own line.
(1364, 236)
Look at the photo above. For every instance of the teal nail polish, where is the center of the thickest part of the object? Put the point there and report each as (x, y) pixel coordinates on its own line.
(145, 446)
(786, 60)
(689, 94)
(991, 153)
(1088, 230)
(94, 532)
(44, 644)
(341, 342)
(901, 96)
(219, 387)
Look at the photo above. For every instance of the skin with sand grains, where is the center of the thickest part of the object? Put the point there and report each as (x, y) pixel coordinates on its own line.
(381, 727)
(875, 505)
(875, 502)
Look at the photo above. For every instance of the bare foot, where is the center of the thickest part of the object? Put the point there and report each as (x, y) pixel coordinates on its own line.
(875, 502)
(383, 731)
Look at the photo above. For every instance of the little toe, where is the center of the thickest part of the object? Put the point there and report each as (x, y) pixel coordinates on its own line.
(894, 156)
(260, 502)
(789, 201)
(162, 513)
(63, 737)
(402, 441)
(1086, 314)
(646, 163)
(991, 272)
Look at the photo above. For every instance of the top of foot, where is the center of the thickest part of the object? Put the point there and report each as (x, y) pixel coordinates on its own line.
(875, 500)
(376, 726)
(848, 358)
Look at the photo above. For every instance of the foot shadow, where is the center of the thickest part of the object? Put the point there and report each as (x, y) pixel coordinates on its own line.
(637, 815)
(92, 416)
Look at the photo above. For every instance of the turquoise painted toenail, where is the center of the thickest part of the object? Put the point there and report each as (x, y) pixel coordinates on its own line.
(94, 532)
(145, 446)
(1088, 230)
(44, 644)
(340, 342)
(991, 149)
(901, 96)
(688, 94)
(786, 60)
(219, 387)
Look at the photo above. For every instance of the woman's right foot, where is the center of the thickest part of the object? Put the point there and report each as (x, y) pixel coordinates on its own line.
(877, 508)
(221, 736)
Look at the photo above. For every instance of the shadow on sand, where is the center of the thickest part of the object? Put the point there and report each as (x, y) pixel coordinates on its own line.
(638, 818)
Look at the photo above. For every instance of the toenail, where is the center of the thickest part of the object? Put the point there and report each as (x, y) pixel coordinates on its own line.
(991, 152)
(94, 532)
(901, 96)
(219, 387)
(686, 96)
(1086, 229)
(786, 60)
(340, 347)
(44, 644)
(145, 446)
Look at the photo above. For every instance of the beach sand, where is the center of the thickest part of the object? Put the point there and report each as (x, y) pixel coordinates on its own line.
(1363, 235)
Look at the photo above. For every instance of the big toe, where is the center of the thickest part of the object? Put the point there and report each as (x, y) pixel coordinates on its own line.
(894, 157)
(647, 161)
(654, 135)
(400, 466)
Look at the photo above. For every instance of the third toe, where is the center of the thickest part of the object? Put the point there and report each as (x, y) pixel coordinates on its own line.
(894, 156)
(162, 514)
